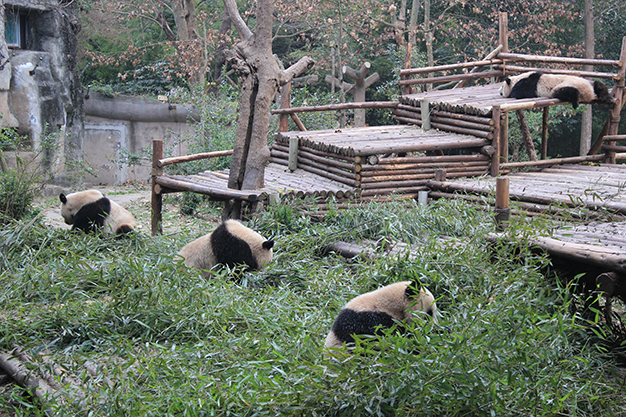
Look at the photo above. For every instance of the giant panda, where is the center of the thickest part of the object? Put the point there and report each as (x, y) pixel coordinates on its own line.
(566, 88)
(230, 244)
(90, 210)
(382, 307)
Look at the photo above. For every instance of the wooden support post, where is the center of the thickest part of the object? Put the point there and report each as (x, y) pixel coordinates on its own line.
(425, 109)
(544, 132)
(157, 196)
(503, 25)
(504, 138)
(496, 142)
(528, 141)
(503, 212)
(618, 103)
(285, 103)
(422, 198)
(293, 153)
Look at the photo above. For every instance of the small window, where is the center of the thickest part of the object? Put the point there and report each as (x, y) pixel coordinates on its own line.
(15, 28)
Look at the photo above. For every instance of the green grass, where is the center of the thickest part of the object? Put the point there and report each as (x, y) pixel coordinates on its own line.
(167, 342)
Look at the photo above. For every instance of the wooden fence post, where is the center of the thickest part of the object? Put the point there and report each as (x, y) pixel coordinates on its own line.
(503, 212)
(157, 196)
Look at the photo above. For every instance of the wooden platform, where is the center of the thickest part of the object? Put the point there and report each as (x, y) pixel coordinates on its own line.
(591, 186)
(383, 160)
(477, 100)
(278, 180)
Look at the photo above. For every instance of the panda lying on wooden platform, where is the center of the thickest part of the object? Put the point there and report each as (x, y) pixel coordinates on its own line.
(382, 307)
(230, 244)
(90, 211)
(564, 87)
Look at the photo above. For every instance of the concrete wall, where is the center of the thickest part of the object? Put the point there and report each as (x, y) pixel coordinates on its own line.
(117, 126)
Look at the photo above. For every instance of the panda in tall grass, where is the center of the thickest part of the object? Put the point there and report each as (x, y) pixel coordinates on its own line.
(230, 244)
(566, 88)
(91, 211)
(397, 303)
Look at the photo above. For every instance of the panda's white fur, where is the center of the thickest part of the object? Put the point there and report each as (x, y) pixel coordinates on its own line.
(382, 307)
(90, 210)
(567, 88)
(230, 244)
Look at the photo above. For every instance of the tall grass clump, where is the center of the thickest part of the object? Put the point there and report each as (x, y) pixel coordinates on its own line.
(163, 341)
(23, 168)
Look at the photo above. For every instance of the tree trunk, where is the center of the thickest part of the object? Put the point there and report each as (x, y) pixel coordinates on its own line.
(587, 116)
(262, 77)
(429, 40)
(187, 32)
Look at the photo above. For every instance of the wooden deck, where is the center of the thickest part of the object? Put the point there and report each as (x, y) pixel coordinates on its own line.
(592, 186)
(278, 180)
(477, 100)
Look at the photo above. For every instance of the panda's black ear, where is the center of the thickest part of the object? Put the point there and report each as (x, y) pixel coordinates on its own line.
(507, 80)
(268, 244)
(62, 198)
(413, 289)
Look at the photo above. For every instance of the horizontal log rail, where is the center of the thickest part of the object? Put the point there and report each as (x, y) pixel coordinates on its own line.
(559, 59)
(455, 77)
(610, 138)
(213, 192)
(194, 157)
(340, 106)
(555, 161)
(461, 65)
(587, 74)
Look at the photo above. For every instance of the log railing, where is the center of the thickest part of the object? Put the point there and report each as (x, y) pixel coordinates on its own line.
(162, 184)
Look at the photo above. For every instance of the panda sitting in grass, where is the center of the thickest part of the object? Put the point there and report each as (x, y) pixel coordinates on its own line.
(368, 313)
(230, 244)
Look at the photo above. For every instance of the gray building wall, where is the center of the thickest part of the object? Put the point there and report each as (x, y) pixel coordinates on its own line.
(117, 126)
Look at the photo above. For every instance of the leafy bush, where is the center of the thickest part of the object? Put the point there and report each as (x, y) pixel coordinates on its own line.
(20, 183)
